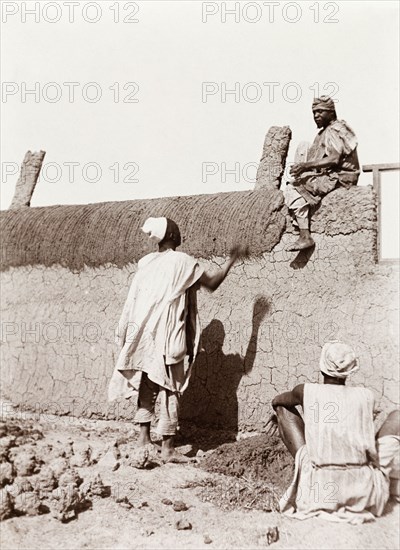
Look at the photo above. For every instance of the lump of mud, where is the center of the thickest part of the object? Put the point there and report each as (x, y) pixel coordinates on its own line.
(250, 474)
(258, 458)
(6, 505)
(29, 432)
(25, 462)
(6, 474)
(65, 503)
(59, 465)
(137, 457)
(70, 478)
(82, 456)
(6, 443)
(28, 504)
(20, 485)
(46, 480)
(95, 488)
(44, 452)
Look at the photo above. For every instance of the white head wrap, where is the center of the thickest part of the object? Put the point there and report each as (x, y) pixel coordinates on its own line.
(338, 360)
(155, 228)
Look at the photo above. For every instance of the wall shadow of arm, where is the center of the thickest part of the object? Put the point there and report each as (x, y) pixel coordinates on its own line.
(260, 309)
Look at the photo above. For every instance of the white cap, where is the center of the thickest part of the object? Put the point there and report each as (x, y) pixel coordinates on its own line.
(155, 228)
(338, 360)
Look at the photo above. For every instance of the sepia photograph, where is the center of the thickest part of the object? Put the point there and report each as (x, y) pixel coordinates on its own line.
(200, 257)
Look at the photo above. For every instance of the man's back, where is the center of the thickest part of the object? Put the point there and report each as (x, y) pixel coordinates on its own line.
(339, 427)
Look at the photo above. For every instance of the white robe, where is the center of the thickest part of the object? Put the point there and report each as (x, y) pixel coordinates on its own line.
(159, 323)
(341, 473)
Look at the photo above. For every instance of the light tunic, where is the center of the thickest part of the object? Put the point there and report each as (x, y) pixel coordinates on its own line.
(159, 323)
(340, 473)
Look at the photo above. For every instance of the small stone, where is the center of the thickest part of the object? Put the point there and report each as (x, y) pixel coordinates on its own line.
(116, 451)
(207, 539)
(179, 506)
(147, 532)
(272, 535)
(166, 501)
(116, 466)
(126, 504)
(183, 525)
(123, 501)
(269, 537)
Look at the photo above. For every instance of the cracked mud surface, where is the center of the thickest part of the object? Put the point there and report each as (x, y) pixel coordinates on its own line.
(161, 506)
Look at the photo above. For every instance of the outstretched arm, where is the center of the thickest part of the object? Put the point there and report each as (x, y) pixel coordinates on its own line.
(212, 282)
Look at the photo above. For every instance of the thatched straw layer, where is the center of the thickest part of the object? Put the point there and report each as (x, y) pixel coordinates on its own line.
(96, 234)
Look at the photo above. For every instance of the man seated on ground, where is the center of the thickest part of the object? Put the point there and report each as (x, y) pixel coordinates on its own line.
(159, 333)
(331, 161)
(341, 470)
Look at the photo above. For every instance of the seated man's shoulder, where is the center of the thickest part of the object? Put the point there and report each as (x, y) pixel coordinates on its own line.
(343, 130)
(366, 393)
(299, 390)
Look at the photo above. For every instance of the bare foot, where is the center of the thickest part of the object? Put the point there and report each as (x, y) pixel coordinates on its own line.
(301, 244)
(174, 457)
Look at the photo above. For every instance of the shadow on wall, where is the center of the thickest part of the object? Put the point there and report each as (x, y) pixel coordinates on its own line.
(211, 397)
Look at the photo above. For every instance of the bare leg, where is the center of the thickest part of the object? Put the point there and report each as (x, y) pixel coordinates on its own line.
(167, 425)
(300, 208)
(144, 436)
(391, 426)
(148, 392)
(291, 428)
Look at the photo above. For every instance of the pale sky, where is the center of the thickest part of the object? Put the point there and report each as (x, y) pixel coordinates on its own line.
(178, 132)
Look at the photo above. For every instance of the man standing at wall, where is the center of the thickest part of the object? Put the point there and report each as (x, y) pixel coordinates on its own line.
(341, 471)
(331, 161)
(159, 331)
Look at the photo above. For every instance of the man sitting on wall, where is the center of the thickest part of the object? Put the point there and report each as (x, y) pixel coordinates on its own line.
(331, 161)
(159, 332)
(341, 470)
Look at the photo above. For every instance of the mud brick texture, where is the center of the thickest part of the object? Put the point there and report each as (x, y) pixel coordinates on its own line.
(66, 271)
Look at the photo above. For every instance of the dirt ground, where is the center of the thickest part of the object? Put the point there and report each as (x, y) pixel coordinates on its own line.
(70, 485)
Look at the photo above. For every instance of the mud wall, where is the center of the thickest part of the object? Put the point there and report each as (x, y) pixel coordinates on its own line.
(66, 272)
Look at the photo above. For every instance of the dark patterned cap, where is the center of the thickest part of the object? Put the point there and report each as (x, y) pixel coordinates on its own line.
(324, 102)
